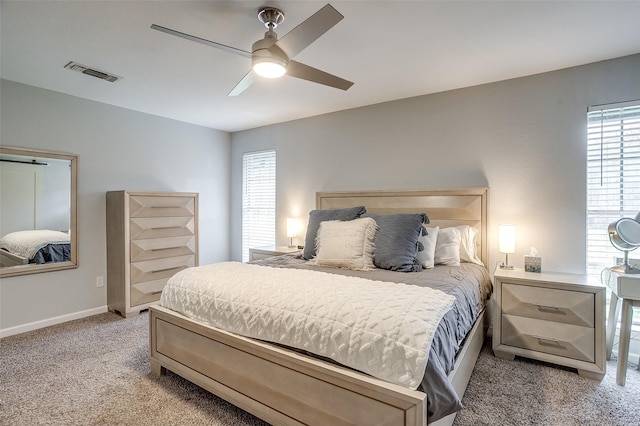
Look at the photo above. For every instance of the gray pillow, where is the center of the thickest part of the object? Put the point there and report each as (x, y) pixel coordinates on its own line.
(397, 241)
(317, 216)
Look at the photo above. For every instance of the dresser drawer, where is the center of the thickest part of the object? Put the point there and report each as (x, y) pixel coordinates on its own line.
(159, 248)
(158, 227)
(147, 292)
(561, 306)
(151, 270)
(566, 340)
(156, 206)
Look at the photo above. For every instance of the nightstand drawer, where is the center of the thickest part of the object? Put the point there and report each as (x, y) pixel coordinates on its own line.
(260, 253)
(554, 305)
(260, 256)
(565, 340)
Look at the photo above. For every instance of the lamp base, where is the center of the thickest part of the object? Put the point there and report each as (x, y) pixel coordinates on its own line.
(625, 269)
(503, 266)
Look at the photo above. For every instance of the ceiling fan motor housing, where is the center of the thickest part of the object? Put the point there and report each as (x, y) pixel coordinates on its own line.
(260, 53)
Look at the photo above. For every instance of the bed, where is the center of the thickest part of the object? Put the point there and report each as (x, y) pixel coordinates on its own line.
(34, 247)
(286, 386)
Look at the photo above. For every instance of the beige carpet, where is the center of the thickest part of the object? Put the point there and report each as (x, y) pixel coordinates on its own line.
(95, 371)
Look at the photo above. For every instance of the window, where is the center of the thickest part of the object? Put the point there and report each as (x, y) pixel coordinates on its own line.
(258, 200)
(613, 178)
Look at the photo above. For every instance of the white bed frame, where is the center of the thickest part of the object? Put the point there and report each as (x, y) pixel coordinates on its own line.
(287, 388)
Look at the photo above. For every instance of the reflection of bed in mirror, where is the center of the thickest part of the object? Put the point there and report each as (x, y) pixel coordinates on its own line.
(34, 246)
(37, 211)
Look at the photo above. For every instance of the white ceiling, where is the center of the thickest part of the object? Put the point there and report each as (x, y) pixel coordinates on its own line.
(390, 49)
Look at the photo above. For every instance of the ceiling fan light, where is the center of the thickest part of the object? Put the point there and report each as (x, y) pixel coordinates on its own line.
(269, 69)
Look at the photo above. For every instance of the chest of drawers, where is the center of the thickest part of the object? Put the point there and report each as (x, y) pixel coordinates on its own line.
(150, 237)
(552, 317)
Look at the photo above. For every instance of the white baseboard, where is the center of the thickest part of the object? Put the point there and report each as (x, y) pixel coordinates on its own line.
(6, 332)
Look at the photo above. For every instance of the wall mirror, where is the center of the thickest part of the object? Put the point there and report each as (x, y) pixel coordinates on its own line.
(37, 211)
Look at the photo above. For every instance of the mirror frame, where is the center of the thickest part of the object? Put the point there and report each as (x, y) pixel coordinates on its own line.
(11, 271)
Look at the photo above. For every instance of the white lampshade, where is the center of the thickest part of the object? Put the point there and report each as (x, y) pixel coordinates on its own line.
(293, 227)
(507, 235)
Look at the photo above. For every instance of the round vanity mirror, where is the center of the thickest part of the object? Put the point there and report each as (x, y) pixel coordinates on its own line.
(624, 235)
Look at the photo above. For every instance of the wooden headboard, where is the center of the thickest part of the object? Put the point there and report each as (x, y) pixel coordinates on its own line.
(445, 207)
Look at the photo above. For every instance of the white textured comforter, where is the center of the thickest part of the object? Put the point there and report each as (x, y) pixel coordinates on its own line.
(27, 243)
(380, 328)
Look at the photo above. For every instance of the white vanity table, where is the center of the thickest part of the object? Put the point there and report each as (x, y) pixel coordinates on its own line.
(625, 287)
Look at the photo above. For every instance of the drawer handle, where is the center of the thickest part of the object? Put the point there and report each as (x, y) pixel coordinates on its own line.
(156, 292)
(165, 227)
(166, 248)
(550, 309)
(165, 207)
(548, 341)
(166, 269)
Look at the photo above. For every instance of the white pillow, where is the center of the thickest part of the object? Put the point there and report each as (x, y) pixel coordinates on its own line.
(468, 252)
(448, 247)
(427, 256)
(346, 244)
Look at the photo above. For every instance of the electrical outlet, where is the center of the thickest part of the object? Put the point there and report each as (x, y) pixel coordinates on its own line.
(99, 281)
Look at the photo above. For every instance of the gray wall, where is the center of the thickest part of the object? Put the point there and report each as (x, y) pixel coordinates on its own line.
(117, 149)
(524, 138)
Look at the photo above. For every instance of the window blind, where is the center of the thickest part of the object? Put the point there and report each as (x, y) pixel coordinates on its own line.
(613, 178)
(258, 200)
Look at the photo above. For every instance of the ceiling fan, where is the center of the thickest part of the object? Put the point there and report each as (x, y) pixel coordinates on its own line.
(271, 57)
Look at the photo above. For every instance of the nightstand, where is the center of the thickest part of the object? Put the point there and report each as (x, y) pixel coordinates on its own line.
(627, 288)
(258, 253)
(552, 317)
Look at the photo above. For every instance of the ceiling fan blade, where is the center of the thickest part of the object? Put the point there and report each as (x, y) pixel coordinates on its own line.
(305, 72)
(202, 41)
(243, 84)
(309, 31)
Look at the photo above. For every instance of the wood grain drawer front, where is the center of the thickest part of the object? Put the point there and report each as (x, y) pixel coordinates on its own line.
(562, 306)
(159, 227)
(565, 340)
(157, 206)
(159, 248)
(151, 270)
(147, 292)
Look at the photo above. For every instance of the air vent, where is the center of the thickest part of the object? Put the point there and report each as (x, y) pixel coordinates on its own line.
(74, 66)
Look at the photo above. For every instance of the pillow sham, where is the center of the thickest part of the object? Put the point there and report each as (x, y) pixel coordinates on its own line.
(346, 244)
(448, 247)
(427, 255)
(317, 216)
(396, 244)
(468, 250)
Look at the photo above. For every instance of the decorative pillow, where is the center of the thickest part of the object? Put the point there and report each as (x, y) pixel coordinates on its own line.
(468, 251)
(346, 244)
(397, 241)
(448, 247)
(317, 216)
(427, 255)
